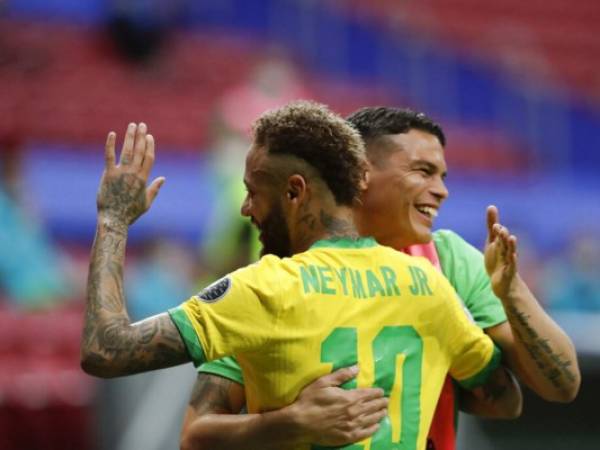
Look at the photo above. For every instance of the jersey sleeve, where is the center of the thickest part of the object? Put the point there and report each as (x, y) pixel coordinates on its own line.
(225, 367)
(236, 314)
(464, 267)
(473, 355)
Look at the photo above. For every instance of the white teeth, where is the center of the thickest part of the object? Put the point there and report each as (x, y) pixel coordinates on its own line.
(428, 210)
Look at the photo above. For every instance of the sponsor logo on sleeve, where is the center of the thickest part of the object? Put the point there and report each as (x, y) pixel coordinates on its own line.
(216, 291)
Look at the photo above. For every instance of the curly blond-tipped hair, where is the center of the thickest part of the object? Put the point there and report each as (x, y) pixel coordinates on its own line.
(321, 138)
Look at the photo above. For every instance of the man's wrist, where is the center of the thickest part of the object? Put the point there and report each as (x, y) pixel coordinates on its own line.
(514, 291)
(110, 223)
(289, 417)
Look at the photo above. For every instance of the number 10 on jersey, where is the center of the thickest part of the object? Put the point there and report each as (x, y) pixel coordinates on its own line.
(341, 349)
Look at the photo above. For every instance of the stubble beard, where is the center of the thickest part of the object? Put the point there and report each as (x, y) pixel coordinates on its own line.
(275, 234)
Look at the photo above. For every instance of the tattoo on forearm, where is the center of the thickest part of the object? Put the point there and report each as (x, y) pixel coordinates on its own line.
(555, 367)
(110, 342)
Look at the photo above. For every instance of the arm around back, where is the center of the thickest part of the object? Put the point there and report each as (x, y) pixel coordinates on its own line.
(323, 414)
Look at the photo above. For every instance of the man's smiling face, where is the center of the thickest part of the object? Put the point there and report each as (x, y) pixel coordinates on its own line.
(406, 189)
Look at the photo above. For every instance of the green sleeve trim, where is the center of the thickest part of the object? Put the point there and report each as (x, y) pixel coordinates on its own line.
(482, 376)
(225, 367)
(188, 334)
(492, 322)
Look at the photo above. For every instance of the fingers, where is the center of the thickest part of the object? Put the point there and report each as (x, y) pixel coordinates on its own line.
(375, 406)
(512, 249)
(492, 219)
(153, 189)
(338, 377)
(507, 243)
(127, 150)
(501, 234)
(109, 151)
(148, 161)
(372, 418)
(368, 394)
(137, 151)
(492, 216)
(367, 423)
(139, 147)
(365, 433)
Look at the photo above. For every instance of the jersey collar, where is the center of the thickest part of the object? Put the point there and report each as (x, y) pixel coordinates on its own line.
(345, 242)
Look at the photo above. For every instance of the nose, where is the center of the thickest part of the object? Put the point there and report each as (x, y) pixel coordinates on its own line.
(245, 209)
(439, 189)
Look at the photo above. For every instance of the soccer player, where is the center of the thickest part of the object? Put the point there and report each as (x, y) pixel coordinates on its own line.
(406, 190)
(322, 297)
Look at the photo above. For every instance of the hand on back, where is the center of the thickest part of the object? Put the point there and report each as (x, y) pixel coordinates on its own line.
(329, 415)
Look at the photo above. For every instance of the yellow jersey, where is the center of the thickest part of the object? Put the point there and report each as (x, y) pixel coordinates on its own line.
(343, 302)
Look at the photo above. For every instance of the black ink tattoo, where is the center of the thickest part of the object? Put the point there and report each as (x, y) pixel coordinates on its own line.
(123, 197)
(494, 390)
(211, 394)
(111, 344)
(555, 368)
(337, 227)
(309, 220)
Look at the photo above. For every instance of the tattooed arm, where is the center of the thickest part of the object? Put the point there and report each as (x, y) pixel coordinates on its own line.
(111, 344)
(499, 398)
(535, 347)
(323, 414)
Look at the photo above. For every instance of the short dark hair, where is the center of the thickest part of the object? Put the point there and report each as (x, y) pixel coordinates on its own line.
(322, 139)
(375, 122)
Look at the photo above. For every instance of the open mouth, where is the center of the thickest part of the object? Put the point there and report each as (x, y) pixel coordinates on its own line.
(429, 211)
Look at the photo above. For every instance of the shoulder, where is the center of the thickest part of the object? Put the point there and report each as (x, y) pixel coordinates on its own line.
(265, 266)
(448, 239)
(451, 246)
(272, 276)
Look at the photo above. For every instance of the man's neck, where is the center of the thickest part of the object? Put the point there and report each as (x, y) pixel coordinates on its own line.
(393, 242)
(324, 223)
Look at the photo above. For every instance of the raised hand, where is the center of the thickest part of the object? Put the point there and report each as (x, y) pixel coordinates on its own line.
(123, 195)
(111, 345)
(500, 255)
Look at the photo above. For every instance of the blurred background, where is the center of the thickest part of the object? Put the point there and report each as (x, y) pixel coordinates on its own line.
(516, 86)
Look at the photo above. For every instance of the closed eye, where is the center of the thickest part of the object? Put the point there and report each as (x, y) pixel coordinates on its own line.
(427, 170)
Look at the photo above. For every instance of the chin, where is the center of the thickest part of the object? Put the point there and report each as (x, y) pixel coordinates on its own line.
(422, 236)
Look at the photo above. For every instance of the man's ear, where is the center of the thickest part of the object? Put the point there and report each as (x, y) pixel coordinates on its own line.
(364, 183)
(296, 187)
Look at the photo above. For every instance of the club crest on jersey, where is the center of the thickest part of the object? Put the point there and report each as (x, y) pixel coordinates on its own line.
(215, 291)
